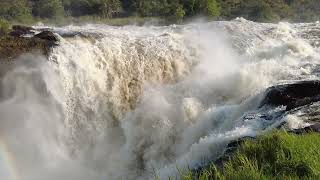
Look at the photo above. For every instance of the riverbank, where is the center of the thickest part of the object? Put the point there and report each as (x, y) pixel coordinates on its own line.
(276, 155)
(133, 20)
(65, 21)
(287, 151)
(290, 151)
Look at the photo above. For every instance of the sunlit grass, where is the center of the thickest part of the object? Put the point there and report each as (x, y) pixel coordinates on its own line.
(278, 155)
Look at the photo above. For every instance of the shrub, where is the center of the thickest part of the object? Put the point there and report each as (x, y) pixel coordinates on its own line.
(180, 13)
(109, 7)
(15, 10)
(212, 8)
(48, 8)
(4, 26)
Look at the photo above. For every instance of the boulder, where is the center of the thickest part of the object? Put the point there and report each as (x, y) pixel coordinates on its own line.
(293, 95)
(25, 29)
(308, 129)
(19, 30)
(16, 33)
(15, 43)
(47, 35)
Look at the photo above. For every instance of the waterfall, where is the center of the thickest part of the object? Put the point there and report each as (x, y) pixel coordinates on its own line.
(137, 102)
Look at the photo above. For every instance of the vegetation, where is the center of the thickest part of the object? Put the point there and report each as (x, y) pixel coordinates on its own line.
(15, 10)
(47, 8)
(4, 27)
(278, 155)
(257, 10)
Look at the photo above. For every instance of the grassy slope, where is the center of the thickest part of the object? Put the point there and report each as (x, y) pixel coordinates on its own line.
(277, 155)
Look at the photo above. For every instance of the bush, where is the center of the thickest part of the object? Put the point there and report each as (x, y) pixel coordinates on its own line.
(109, 7)
(4, 26)
(48, 8)
(212, 8)
(15, 10)
(180, 13)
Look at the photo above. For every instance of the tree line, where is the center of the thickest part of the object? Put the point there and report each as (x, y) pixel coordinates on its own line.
(257, 10)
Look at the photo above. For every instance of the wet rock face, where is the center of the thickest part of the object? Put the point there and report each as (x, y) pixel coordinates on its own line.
(22, 40)
(12, 47)
(47, 35)
(312, 128)
(293, 95)
(18, 31)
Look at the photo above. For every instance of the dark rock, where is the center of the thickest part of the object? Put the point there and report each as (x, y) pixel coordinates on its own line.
(293, 95)
(312, 128)
(25, 29)
(47, 35)
(16, 33)
(19, 30)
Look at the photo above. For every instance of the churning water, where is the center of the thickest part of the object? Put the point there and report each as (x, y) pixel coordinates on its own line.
(134, 102)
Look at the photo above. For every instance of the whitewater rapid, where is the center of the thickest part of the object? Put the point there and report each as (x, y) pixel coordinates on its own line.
(138, 102)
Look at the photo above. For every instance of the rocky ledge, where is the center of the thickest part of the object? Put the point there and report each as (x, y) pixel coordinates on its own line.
(293, 95)
(302, 97)
(23, 39)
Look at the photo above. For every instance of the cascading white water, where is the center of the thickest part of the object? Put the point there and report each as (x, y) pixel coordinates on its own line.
(134, 102)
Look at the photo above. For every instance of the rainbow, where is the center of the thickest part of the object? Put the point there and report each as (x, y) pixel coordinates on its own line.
(8, 170)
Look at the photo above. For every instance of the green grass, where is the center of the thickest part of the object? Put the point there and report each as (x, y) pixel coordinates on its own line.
(278, 155)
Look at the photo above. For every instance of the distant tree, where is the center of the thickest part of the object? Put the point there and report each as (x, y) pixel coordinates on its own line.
(110, 7)
(191, 6)
(48, 8)
(229, 7)
(82, 7)
(211, 8)
(128, 6)
(15, 10)
(265, 13)
(180, 13)
(256, 10)
(146, 7)
(306, 10)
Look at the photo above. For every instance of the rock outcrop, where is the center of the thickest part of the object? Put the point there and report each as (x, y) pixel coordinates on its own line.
(47, 35)
(293, 95)
(312, 128)
(19, 30)
(23, 39)
(303, 96)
